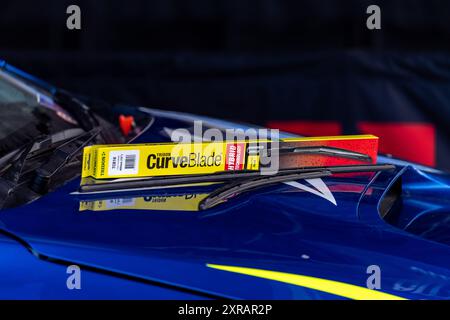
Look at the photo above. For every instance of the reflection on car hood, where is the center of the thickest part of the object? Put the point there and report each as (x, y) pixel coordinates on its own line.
(294, 228)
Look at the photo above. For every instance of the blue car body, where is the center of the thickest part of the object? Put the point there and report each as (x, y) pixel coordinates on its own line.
(307, 239)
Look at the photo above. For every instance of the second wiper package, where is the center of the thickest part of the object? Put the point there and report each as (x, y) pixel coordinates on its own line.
(172, 159)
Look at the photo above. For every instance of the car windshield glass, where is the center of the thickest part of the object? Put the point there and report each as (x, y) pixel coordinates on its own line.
(25, 113)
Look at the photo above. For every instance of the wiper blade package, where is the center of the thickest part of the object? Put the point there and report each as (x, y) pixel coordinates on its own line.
(166, 159)
(169, 159)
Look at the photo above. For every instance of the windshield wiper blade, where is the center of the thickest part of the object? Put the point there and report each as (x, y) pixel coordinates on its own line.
(327, 151)
(122, 185)
(236, 188)
(60, 157)
(233, 189)
(9, 181)
(40, 144)
(17, 160)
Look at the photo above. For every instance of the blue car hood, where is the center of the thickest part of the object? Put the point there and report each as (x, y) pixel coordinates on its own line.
(278, 242)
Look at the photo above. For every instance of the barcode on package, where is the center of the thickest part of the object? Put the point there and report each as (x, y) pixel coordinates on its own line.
(120, 202)
(123, 162)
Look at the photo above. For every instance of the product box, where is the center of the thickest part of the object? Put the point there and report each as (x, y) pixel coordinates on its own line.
(167, 159)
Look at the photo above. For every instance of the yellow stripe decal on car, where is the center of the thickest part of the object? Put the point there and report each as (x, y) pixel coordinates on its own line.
(330, 286)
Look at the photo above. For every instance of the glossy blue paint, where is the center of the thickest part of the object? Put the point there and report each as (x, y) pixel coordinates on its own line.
(281, 228)
(24, 276)
(273, 228)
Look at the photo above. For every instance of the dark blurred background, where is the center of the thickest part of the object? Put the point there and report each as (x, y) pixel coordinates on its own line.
(309, 67)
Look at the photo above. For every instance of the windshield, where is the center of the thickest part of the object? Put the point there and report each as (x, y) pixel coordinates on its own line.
(26, 113)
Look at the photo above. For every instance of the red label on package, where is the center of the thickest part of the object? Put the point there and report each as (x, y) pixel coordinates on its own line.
(235, 156)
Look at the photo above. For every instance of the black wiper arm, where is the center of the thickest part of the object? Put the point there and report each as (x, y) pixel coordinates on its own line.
(60, 157)
(15, 160)
(125, 185)
(10, 178)
(235, 188)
